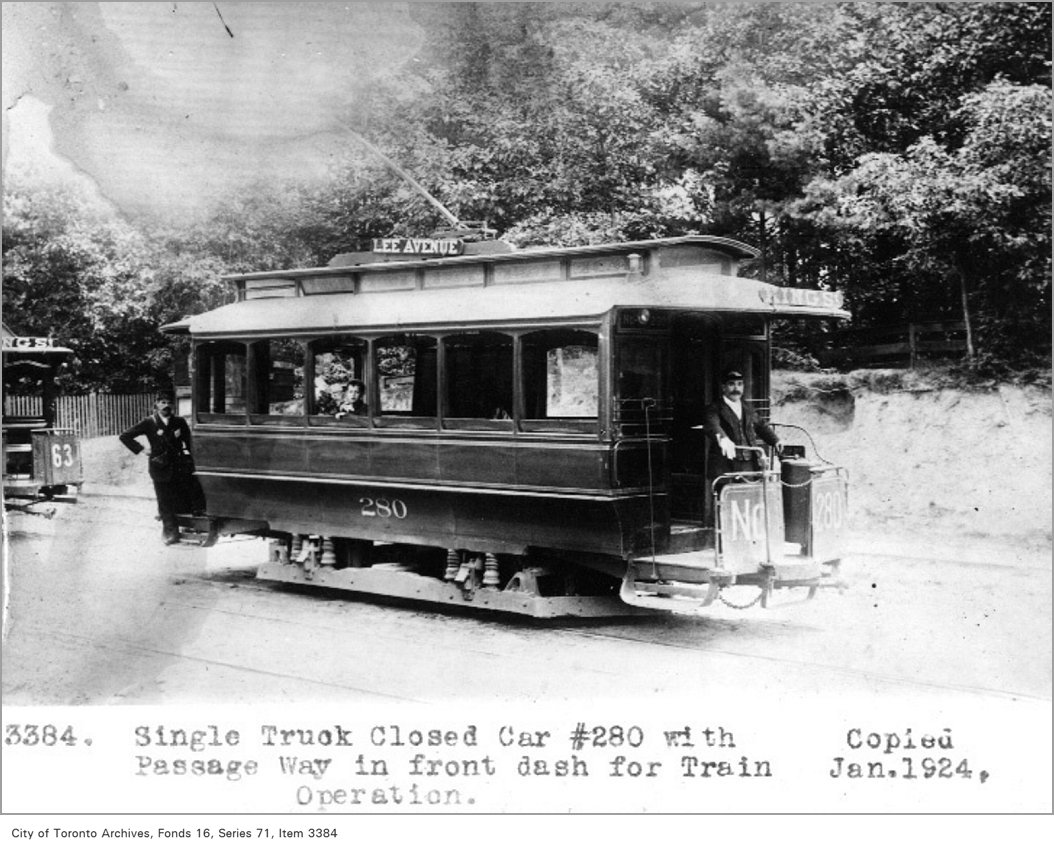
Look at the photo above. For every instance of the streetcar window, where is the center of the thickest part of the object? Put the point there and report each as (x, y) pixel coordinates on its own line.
(640, 369)
(478, 376)
(406, 375)
(338, 362)
(560, 375)
(743, 326)
(641, 406)
(28, 406)
(221, 378)
(279, 377)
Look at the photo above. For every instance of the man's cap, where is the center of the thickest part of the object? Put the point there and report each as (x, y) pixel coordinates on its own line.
(731, 375)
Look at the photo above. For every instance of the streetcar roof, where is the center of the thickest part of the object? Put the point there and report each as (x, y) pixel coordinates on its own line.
(549, 302)
(16, 347)
(31, 353)
(341, 263)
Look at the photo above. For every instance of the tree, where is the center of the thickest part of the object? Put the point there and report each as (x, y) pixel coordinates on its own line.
(76, 271)
(72, 269)
(977, 216)
(899, 152)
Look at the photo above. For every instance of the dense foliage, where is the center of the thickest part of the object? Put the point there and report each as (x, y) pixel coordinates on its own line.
(899, 152)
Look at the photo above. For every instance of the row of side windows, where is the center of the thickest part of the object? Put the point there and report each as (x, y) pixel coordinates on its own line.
(351, 379)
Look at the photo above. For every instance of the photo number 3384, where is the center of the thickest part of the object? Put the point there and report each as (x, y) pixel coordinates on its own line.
(383, 508)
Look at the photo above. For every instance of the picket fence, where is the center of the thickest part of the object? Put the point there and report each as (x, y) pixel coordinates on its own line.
(91, 415)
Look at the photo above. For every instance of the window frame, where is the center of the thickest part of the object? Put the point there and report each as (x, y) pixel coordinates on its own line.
(452, 422)
(315, 419)
(566, 424)
(204, 380)
(398, 419)
(258, 397)
(628, 418)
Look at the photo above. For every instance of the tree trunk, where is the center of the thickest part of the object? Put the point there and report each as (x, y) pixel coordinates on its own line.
(961, 271)
(762, 244)
(790, 253)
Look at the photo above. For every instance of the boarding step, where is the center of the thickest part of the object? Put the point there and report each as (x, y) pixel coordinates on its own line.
(205, 530)
(689, 536)
(696, 567)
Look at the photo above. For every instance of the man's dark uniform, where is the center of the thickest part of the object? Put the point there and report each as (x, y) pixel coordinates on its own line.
(719, 418)
(171, 468)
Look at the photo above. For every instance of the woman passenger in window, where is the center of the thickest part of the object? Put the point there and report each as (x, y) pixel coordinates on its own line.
(353, 405)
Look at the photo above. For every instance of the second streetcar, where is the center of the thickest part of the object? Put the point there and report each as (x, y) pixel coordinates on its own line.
(42, 461)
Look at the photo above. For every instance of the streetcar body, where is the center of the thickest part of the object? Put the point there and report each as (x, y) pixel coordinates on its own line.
(41, 460)
(527, 437)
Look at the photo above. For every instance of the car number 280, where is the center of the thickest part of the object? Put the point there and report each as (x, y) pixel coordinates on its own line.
(383, 508)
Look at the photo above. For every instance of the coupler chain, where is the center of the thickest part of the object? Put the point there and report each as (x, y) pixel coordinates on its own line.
(750, 605)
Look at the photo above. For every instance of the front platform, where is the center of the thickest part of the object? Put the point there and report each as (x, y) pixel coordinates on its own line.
(688, 582)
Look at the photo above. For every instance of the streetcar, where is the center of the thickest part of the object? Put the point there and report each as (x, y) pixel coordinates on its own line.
(42, 462)
(516, 430)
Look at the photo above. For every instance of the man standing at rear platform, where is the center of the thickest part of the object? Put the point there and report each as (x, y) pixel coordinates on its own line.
(731, 423)
(170, 462)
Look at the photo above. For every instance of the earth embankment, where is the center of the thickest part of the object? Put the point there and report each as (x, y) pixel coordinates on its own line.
(931, 459)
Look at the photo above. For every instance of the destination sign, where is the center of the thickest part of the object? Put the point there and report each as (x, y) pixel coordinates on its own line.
(797, 297)
(447, 247)
(28, 342)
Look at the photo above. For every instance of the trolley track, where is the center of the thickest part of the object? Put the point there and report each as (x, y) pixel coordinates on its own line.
(649, 632)
(195, 624)
(122, 646)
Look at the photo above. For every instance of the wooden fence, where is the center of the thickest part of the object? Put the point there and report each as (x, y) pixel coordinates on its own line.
(897, 345)
(95, 414)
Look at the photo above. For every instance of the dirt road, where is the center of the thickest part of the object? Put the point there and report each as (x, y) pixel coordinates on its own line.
(101, 613)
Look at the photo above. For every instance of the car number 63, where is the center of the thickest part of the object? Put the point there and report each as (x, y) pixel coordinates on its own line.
(61, 455)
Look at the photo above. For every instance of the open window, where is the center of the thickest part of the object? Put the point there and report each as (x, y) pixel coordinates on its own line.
(560, 380)
(405, 373)
(478, 392)
(278, 380)
(339, 394)
(221, 382)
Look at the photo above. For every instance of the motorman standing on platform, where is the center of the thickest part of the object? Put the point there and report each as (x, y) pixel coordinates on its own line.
(170, 462)
(730, 423)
